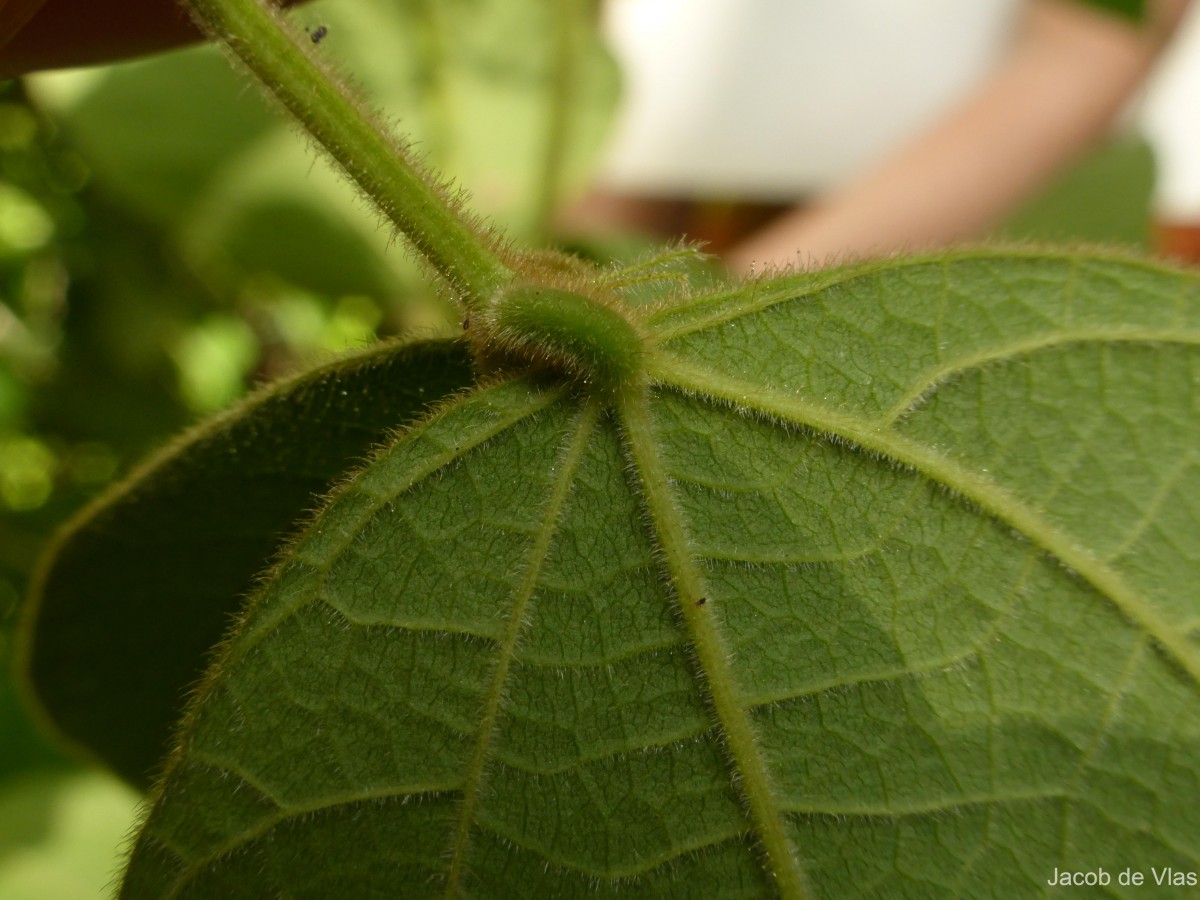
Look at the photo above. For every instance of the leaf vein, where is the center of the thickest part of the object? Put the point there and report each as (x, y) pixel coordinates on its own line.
(637, 747)
(1159, 498)
(711, 648)
(979, 490)
(326, 804)
(929, 381)
(648, 866)
(257, 628)
(517, 622)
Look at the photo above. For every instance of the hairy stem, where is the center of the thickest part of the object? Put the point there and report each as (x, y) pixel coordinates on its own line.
(375, 161)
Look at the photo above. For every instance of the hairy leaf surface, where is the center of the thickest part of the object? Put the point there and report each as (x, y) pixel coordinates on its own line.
(137, 591)
(883, 585)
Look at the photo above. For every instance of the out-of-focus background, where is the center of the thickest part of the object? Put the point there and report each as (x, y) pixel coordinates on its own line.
(1168, 115)
(166, 241)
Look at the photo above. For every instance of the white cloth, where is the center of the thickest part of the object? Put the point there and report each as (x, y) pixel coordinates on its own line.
(776, 99)
(1170, 119)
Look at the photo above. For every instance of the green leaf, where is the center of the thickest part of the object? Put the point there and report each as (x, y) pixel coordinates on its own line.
(160, 563)
(1129, 9)
(1104, 199)
(882, 584)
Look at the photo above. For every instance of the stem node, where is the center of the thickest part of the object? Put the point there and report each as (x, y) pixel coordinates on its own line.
(587, 337)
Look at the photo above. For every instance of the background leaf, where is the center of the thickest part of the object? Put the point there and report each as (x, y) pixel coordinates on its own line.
(883, 587)
(1105, 199)
(111, 656)
(60, 835)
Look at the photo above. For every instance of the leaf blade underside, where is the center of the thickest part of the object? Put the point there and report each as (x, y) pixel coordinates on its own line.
(907, 688)
(196, 524)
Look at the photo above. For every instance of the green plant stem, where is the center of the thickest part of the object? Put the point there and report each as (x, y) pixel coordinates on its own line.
(376, 162)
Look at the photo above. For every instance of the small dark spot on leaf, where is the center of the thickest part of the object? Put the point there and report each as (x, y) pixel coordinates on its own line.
(701, 601)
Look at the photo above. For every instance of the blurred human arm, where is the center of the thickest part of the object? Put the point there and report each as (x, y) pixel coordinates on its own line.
(1070, 72)
(53, 34)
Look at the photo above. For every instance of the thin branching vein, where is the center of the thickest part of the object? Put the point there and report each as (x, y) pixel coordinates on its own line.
(402, 793)
(975, 487)
(568, 465)
(929, 381)
(425, 466)
(645, 866)
(712, 309)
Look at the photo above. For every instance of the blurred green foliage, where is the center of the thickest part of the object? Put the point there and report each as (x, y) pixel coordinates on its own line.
(1103, 200)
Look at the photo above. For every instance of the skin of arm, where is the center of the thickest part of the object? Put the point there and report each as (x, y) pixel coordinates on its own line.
(54, 34)
(1070, 73)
